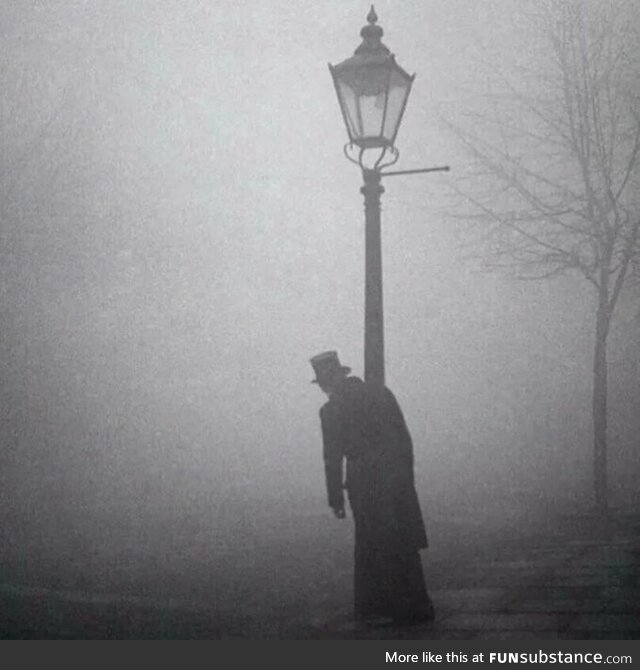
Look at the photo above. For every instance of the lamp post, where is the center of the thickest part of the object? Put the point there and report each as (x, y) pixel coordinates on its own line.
(372, 91)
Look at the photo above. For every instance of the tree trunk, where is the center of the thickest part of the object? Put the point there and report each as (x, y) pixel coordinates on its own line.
(599, 407)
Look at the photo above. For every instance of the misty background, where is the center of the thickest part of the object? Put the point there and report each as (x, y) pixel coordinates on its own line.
(181, 233)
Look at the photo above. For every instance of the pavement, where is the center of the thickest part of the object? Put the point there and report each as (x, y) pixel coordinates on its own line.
(578, 580)
(583, 582)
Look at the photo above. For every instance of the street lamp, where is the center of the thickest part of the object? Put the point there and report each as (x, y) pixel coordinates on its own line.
(372, 91)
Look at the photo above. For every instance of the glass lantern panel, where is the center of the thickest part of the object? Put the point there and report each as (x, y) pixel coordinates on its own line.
(372, 113)
(398, 91)
(350, 109)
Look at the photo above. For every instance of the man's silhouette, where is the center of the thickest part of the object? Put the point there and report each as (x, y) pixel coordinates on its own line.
(363, 426)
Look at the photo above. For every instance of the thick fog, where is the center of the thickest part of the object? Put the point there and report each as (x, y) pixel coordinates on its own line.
(181, 232)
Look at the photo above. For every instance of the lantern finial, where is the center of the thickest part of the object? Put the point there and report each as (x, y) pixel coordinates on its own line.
(372, 37)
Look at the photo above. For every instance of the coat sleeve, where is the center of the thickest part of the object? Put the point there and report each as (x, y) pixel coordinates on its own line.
(333, 461)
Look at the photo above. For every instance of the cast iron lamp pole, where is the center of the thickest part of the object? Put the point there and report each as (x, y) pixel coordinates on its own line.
(372, 91)
(373, 307)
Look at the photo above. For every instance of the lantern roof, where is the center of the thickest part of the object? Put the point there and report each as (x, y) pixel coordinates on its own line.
(372, 51)
(372, 37)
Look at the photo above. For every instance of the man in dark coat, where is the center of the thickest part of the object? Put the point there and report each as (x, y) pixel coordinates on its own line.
(363, 426)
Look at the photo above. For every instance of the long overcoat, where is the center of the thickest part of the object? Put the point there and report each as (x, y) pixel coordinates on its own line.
(364, 428)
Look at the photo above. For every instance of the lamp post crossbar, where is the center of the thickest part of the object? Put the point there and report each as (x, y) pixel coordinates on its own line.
(444, 168)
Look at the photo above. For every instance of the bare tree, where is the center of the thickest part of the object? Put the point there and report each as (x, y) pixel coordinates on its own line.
(556, 175)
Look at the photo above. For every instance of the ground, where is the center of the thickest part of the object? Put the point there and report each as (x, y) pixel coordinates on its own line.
(520, 575)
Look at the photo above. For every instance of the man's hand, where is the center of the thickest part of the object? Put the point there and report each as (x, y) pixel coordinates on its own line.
(339, 512)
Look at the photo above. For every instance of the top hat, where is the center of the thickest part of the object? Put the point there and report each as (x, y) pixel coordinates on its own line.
(326, 365)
